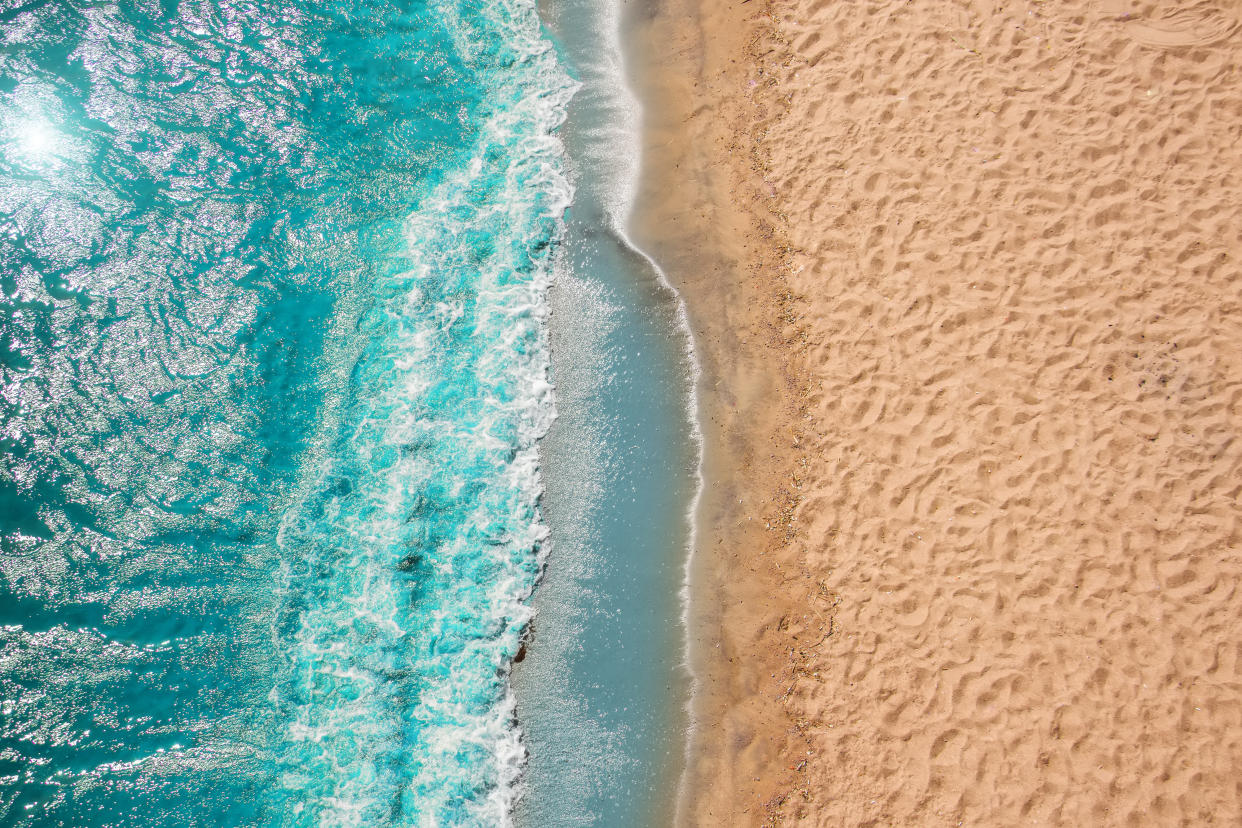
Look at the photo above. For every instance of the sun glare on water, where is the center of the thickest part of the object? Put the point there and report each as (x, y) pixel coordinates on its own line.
(35, 141)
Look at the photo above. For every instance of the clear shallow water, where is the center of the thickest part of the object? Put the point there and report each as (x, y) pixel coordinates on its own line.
(273, 363)
(602, 691)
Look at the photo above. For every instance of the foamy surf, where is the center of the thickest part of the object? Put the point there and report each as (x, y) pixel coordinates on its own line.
(397, 686)
(280, 299)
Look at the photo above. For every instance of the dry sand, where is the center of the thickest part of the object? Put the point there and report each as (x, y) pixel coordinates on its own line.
(965, 279)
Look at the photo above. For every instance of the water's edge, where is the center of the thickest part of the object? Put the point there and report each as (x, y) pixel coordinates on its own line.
(604, 689)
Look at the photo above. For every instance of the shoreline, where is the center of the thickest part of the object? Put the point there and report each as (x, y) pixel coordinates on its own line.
(601, 690)
(701, 214)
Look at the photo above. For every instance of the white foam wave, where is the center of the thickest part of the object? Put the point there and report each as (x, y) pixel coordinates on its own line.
(454, 755)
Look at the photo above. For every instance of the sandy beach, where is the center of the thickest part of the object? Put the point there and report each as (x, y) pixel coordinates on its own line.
(964, 281)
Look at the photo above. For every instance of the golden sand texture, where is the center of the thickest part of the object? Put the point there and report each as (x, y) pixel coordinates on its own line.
(1011, 590)
(1018, 230)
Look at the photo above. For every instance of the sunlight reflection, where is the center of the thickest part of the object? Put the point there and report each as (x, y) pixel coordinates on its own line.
(35, 141)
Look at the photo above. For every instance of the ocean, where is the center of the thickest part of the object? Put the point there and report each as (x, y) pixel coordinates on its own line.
(276, 360)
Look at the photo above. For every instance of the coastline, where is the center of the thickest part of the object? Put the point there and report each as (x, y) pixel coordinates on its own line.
(964, 286)
(703, 214)
(601, 689)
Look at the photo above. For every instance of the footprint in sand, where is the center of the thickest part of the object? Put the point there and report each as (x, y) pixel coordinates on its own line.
(1169, 26)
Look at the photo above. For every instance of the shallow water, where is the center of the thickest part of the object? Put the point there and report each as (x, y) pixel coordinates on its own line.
(273, 365)
(601, 694)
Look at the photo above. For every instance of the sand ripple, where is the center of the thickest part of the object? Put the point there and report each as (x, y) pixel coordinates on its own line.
(1018, 236)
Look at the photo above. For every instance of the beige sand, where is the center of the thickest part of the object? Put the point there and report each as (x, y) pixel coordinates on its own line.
(1005, 397)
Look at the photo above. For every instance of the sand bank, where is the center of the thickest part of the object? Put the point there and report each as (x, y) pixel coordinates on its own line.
(965, 283)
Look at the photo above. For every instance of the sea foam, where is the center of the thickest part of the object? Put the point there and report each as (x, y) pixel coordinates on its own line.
(413, 555)
(273, 367)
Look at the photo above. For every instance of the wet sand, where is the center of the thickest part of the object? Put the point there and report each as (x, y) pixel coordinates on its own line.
(964, 281)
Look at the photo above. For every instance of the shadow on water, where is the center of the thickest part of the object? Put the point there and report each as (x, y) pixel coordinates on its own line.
(602, 687)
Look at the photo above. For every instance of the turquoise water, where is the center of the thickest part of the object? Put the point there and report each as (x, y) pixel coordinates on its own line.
(273, 365)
